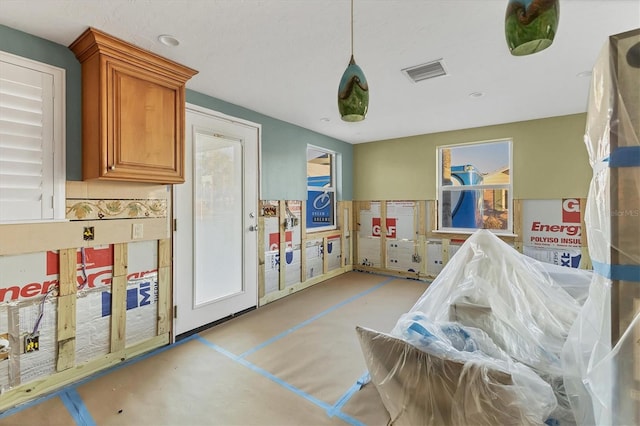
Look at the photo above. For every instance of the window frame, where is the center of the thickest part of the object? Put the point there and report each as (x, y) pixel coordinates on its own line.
(57, 182)
(440, 189)
(332, 188)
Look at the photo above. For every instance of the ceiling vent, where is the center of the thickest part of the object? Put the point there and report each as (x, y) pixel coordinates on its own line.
(425, 71)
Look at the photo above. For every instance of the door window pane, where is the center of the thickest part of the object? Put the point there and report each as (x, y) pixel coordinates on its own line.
(217, 232)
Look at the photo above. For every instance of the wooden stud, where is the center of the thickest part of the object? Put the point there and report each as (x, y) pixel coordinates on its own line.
(66, 320)
(164, 287)
(119, 297)
(282, 216)
(68, 282)
(445, 250)
(261, 257)
(422, 235)
(303, 242)
(325, 257)
(383, 233)
(517, 225)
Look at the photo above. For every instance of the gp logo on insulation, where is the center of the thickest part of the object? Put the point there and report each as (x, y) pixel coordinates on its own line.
(143, 294)
(570, 210)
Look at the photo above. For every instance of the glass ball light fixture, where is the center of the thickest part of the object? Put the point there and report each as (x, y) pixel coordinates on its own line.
(353, 92)
(531, 25)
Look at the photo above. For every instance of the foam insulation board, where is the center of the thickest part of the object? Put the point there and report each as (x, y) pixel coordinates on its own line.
(402, 215)
(369, 251)
(434, 257)
(292, 266)
(271, 271)
(367, 219)
(5, 349)
(334, 256)
(142, 309)
(315, 260)
(40, 363)
(93, 321)
(402, 256)
(561, 256)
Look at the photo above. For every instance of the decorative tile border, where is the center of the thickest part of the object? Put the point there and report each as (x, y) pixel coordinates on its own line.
(115, 209)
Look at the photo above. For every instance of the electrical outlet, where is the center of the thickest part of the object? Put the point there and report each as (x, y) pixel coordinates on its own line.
(31, 342)
(137, 231)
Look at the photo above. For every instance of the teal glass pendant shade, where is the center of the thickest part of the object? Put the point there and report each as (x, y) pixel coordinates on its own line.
(531, 25)
(353, 93)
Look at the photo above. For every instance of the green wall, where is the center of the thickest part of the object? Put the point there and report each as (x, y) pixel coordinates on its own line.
(284, 152)
(550, 161)
(283, 145)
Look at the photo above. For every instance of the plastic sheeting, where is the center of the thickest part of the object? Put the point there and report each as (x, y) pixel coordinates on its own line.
(494, 310)
(602, 356)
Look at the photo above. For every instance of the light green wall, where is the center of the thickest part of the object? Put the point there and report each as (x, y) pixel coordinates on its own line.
(283, 145)
(550, 161)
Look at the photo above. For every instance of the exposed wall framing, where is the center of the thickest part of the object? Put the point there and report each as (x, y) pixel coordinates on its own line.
(425, 251)
(313, 249)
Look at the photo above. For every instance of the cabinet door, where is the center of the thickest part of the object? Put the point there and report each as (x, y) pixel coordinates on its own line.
(145, 125)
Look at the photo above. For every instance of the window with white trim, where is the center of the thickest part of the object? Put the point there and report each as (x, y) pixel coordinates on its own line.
(475, 187)
(32, 144)
(321, 189)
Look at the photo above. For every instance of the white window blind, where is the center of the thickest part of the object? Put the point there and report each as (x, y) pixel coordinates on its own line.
(31, 148)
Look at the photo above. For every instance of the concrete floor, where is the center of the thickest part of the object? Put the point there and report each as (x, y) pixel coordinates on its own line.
(296, 361)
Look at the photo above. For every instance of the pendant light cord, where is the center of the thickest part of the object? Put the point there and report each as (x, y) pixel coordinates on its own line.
(351, 27)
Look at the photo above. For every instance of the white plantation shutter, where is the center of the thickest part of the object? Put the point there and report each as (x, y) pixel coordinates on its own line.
(31, 167)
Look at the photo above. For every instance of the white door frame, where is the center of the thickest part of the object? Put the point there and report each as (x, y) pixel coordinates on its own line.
(231, 119)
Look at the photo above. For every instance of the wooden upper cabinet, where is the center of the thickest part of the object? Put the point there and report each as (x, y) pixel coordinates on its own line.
(133, 111)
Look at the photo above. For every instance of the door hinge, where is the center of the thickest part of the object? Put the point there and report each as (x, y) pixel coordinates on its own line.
(175, 311)
(175, 225)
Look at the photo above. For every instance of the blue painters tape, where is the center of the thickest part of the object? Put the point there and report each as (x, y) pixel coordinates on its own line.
(625, 156)
(60, 392)
(76, 408)
(618, 272)
(363, 380)
(288, 386)
(315, 317)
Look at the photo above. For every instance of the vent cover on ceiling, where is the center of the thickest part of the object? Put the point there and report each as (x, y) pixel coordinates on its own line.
(425, 71)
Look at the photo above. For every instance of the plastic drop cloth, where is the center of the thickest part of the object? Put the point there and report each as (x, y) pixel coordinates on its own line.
(602, 378)
(492, 310)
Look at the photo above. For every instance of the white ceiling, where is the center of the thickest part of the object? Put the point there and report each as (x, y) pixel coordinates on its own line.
(284, 58)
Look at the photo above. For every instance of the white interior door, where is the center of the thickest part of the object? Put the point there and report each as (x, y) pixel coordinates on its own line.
(215, 238)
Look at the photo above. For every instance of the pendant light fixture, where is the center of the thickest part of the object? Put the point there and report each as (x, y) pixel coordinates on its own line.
(531, 25)
(353, 92)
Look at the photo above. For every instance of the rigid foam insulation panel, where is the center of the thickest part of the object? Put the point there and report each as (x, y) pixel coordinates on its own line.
(435, 261)
(42, 362)
(315, 258)
(402, 255)
(5, 349)
(142, 292)
(334, 251)
(293, 238)
(552, 231)
(567, 256)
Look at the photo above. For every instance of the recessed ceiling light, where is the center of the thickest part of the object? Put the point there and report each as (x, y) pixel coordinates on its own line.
(476, 94)
(168, 40)
(584, 74)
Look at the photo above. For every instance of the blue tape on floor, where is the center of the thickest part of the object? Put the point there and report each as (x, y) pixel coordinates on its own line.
(363, 380)
(94, 376)
(76, 408)
(315, 317)
(279, 381)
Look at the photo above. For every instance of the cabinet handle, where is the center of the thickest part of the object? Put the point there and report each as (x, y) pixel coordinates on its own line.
(113, 167)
